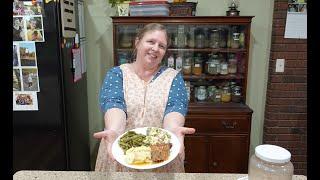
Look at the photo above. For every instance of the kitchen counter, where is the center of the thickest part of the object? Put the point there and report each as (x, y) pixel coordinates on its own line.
(89, 175)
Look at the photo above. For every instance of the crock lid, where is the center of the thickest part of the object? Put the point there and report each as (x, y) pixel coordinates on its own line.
(272, 153)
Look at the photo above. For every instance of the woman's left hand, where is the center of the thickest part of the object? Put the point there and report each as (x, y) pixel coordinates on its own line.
(180, 132)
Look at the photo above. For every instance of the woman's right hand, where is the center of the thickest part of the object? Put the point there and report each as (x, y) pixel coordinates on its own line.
(109, 136)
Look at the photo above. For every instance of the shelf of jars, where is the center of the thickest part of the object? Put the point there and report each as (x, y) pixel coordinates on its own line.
(212, 77)
(220, 50)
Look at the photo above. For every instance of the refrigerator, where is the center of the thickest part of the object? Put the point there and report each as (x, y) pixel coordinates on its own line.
(56, 136)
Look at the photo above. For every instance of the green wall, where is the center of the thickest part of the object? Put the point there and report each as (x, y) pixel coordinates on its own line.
(99, 57)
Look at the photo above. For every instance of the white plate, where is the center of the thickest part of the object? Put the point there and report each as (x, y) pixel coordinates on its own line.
(118, 153)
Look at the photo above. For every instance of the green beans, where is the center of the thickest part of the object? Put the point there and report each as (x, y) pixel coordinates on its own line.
(131, 139)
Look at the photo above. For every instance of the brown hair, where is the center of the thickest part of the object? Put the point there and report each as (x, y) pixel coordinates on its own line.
(149, 28)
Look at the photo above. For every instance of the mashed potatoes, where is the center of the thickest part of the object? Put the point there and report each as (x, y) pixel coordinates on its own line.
(138, 155)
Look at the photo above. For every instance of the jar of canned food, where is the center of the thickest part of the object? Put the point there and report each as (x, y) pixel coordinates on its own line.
(187, 66)
(235, 41)
(197, 66)
(217, 96)
(200, 38)
(224, 68)
(213, 65)
(236, 94)
(226, 94)
(232, 64)
(211, 92)
(214, 38)
(201, 93)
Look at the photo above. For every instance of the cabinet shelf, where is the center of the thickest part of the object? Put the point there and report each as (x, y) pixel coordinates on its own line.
(221, 50)
(213, 77)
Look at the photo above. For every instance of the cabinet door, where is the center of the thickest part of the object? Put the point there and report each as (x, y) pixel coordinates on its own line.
(196, 151)
(228, 154)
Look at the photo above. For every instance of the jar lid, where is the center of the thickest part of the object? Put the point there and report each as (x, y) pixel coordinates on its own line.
(272, 153)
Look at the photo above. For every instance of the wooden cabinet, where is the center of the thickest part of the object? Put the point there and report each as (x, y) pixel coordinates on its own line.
(219, 45)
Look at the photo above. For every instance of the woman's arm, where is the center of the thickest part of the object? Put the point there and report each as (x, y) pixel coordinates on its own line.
(176, 109)
(112, 103)
(174, 122)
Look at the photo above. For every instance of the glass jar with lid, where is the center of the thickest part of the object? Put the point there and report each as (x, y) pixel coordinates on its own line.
(191, 37)
(181, 37)
(186, 68)
(123, 57)
(200, 38)
(224, 68)
(197, 65)
(217, 96)
(235, 42)
(214, 65)
(236, 94)
(226, 94)
(232, 64)
(223, 38)
(211, 92)
(125, 38)
(201, 93)
(270, 162)
(214, 38)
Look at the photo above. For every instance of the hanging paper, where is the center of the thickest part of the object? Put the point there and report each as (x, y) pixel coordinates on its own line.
(296, 23)
(76, 63)
(68, 18)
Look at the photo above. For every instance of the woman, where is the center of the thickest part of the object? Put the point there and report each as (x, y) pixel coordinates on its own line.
(33, 34)
(143, 93)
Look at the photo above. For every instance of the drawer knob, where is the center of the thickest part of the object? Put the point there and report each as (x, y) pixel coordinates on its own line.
(229, 125)
(215, 164)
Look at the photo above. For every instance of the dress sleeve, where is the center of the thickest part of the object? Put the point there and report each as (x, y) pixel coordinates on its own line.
(178, 97)
(111, 92)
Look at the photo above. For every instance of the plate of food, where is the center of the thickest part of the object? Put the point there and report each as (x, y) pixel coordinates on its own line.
(146, 148)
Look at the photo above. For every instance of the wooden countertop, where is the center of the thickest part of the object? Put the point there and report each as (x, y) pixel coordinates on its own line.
(90, 175)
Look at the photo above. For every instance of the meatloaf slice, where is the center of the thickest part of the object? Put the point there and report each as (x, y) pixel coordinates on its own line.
(160, 152)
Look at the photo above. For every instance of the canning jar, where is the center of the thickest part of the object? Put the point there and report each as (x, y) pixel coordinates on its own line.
(223, 38)
(187, 84)
(181, 37)
(217, 96)
(214, 38)
(123, 58)
(235, 42)
(197, 66)
(236, 94)
(187, 66)
(270, 162)
(226, 94)
(191, 38)
(213, 65)
(200, 38)
(170, 61)
(201, 93)
(211, 92)
(232, 64)
(224, 68)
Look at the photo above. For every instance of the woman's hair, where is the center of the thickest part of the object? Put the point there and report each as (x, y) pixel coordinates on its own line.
(149, 28)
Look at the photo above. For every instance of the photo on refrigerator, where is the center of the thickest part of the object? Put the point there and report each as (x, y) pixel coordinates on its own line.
(30, 79)
(28, 56)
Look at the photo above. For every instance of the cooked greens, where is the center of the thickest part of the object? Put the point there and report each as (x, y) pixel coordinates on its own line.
(131, 139)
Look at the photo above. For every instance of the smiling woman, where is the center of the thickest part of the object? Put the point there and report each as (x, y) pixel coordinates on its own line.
(143, 93)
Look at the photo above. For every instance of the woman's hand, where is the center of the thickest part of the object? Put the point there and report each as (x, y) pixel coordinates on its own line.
(109, 136)
(180, 132)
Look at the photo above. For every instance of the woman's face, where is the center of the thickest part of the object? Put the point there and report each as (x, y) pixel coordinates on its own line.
(151, 48)
(33, 24)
